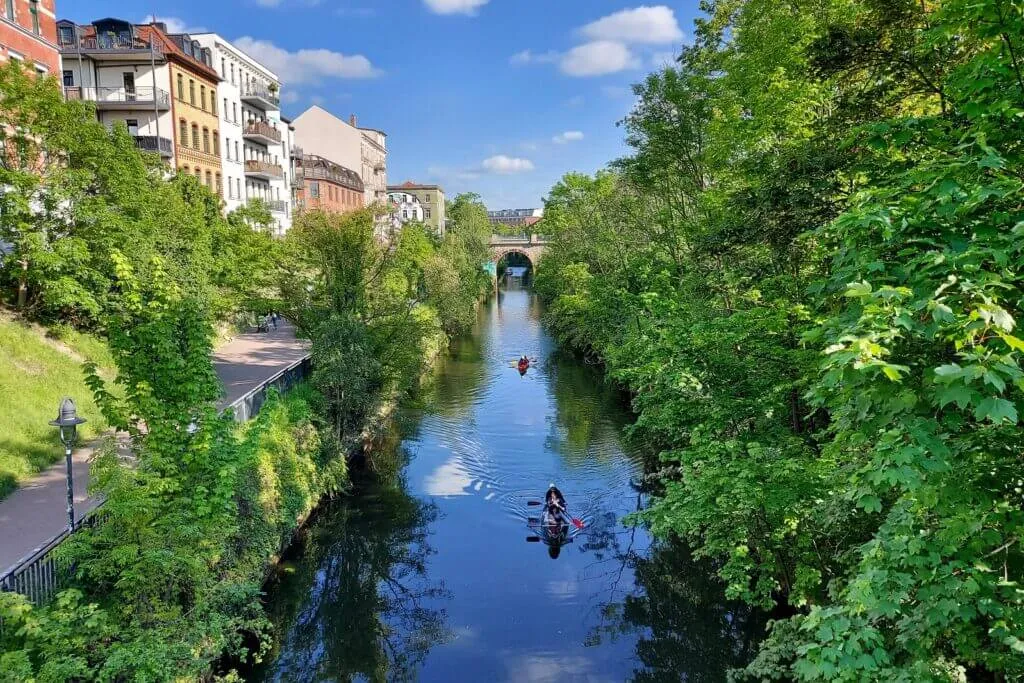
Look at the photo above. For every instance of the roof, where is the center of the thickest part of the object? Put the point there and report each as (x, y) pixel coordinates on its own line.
(172, 50)
(409, 185)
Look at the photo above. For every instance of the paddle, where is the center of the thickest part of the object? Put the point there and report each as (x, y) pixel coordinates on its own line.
(578, 523)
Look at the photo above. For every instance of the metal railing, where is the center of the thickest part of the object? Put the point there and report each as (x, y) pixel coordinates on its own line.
(152, 143)
(314, 173)
(262, 129)
(42, 573)
(141, 95)
(276, 205)
(110, 43)
(255, 90)
(263, 167)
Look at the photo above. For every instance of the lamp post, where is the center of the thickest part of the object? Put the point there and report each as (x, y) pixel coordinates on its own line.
(67, 421)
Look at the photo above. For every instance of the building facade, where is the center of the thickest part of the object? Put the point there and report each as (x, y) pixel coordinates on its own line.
(256, 150)
(28, 33)
(403, 208)
(321, 133)
(374, 157)
(516, 218)
(114, 64)
(431, 198)
(162, 87)
(322, 184)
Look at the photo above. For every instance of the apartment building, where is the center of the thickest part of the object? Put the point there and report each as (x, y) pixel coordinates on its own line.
(163, 87)
(257, 140)
(323, 184)
(114, 64)
(518, 218)
(431, 198)
(374, 156)
(403, 208)
(28, 33)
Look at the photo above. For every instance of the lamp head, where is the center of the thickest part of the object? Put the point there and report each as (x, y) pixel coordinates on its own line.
(67, 421)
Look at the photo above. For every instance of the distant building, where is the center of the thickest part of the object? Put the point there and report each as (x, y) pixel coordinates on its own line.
(374, 156)
(28, 33)
(322, 184)
(320, 133)
(403, 208)
(431, 198)
(517, 218)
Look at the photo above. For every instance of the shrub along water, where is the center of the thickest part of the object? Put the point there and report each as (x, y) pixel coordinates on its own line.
(809, 273)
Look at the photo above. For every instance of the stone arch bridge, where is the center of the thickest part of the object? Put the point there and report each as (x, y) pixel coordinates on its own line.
(530, 246)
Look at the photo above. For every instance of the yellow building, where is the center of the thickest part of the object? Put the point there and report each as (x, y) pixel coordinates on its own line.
(194, 107)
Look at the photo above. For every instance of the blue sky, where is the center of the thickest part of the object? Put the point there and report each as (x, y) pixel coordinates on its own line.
(500, 97)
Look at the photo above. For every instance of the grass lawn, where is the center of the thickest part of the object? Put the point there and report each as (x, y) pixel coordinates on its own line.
(35, 373)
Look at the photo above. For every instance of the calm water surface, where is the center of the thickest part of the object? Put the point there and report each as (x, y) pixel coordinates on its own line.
(431, 577)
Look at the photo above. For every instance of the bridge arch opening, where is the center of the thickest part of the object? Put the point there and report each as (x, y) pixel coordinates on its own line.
(514, 266)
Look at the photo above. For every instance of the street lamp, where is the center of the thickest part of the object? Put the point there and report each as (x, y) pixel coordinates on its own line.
(67, 421)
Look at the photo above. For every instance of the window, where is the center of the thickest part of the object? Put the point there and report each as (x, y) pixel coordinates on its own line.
(184, 169)
(195, 137)
(202, 97)
(428, 197)
(33, 8)
(216, 143)
(181, 88)
(192, 92)
(314, 190)
(220, 185)
(234, 111)
(426, 214)
(67, 33)
(405, 214)
(223, 66)
(133, 127)
(10, 9)
(238, 157)
(69, 78)
(213, 103)
(199, 175)
(206, 140)
(232, 73)
(183, 133)
(226, 110)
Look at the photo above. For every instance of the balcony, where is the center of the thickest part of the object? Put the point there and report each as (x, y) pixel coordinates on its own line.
(110, 47)
(263, 169)
(276, 205)
(350, 181)
(261, 97)
(122, 98)
(261, 132)
(152, 143)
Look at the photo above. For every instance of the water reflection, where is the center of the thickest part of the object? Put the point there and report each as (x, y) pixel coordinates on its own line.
(359, 603)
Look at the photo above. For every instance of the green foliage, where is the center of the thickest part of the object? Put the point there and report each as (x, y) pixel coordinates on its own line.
(809, 273)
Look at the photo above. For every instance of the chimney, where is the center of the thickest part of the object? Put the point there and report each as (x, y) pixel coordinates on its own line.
(161, 25)
(352, 120)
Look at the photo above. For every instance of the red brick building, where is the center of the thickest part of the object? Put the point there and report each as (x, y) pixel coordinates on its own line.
(28, 32)
(323, 184)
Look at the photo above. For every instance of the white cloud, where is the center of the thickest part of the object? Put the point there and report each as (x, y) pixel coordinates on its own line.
(598, 58)
(306, 66)
(174, 24)
(505, 165)
(530, 57)
(454, 6)
(290, 96)
(567, 137)
(651, 25)
(615, 91)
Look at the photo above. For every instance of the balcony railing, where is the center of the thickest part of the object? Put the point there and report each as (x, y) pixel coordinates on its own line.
(261, 130)
(108, 43)
(261, 95)
(313, 173)
(141, 97)
(263, 168)
(152, 143)
(276, 205)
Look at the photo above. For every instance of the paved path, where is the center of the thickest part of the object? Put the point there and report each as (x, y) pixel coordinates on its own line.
(36, 512)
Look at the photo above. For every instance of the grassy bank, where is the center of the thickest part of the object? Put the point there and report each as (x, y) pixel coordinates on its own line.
(36, 371)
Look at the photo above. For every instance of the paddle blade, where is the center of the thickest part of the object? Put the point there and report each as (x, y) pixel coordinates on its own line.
(578, 523)
(533, 539)
(534, 503)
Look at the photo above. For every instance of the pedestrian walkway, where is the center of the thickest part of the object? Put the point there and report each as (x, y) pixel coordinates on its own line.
(37, 511)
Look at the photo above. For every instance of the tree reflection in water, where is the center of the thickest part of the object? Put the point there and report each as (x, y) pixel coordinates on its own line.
(358, 604)
(676, 609)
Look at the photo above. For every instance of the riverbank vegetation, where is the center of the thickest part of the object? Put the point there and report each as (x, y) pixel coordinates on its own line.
(808, 271)
(101, 238)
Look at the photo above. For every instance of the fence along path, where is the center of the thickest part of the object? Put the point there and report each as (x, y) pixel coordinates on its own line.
(33, 518)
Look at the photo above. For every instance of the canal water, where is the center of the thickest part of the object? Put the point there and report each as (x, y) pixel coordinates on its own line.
(436, 573)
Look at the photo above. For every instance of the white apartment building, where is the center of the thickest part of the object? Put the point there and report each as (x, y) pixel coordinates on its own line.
(257, 142)
(374, 153)
(403, 208)
(117, 66)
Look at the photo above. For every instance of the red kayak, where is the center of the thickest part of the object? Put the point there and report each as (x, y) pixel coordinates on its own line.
(523, 366)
